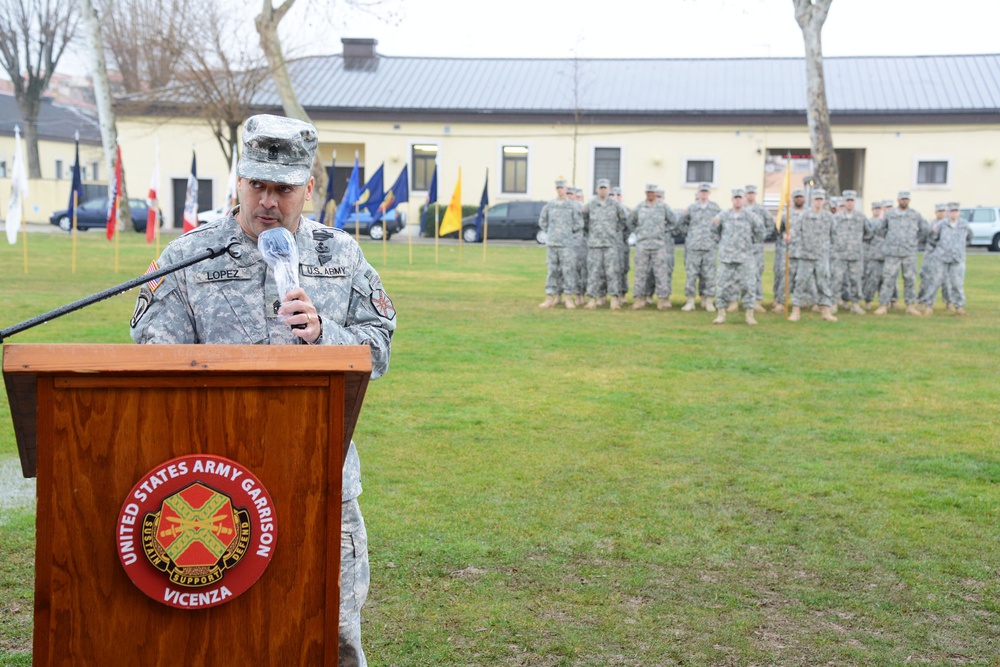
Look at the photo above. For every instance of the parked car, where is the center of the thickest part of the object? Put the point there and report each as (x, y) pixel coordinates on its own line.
(395, 221)
(984, 221)
(94, 213)
(508, 220)
(213, 214)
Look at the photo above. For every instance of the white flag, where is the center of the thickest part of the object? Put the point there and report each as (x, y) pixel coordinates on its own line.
(232, 197)
(18, 190)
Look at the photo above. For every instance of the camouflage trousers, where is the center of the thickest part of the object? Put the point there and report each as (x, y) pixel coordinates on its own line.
(931, 266)
(872, 282)
(779, 270)
(950, 277)
(812, 283)
(845, 279)
(890, 272)
(758, 256)
(603, 272)
(657, 264)
(354, 581)
(582, 252)
(560, 261)
(699, 265)
(736, 282)
(625, 250)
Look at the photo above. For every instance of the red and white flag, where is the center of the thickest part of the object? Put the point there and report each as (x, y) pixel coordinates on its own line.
(191, 198)
(152, 200)
(114, 192)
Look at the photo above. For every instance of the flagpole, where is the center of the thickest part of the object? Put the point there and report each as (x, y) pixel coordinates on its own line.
(118, 203)
(437, 235)
(486, 230)
(357, 223)
(788, 226)
(385, 239)
(73, 230)
(24, 233)
(409, 237)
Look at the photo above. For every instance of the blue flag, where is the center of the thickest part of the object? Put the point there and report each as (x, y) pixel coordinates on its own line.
(399, 194)
(372, 194)
(77, 186)
(484, 202)
(432, 197)
(329, 188)
(347, 204)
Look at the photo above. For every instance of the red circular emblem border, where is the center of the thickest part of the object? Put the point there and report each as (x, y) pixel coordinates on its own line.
(170, 478)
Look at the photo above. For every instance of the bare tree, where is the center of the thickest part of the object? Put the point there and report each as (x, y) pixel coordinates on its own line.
(810, 15)
(33, 36)
(148, 39)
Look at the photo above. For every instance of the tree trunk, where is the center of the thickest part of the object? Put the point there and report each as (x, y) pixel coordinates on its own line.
(267, 27)
(102, 95)
(29, 106)
(810, 17)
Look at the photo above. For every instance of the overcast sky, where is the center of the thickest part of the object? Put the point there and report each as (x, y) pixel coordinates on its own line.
(670, 28)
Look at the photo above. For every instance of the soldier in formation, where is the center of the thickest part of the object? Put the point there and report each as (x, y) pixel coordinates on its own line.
(931, 262)
(767, 219)
(848, 254)
(950, 238)
(811, 240)
(700, 249)
(903, 228)
(736, 231)
(616, 193)
(604, 223)
(654, 224)
(561, 219)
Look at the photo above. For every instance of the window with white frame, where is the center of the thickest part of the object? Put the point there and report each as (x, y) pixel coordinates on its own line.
(699, 170)
(94, 171)
(515, 169)
(608, 164)
(932, 172)
(423, 157)
(3, 168)
(59, 169)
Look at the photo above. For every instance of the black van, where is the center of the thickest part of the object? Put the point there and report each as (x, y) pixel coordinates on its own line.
(507, 220)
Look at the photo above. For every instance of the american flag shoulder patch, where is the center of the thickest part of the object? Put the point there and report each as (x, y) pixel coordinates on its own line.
(153, 284)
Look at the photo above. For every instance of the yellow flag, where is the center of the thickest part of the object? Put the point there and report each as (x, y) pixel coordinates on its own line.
(786, 193)
(452, 221)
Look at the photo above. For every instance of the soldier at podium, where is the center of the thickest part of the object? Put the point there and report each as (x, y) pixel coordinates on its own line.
(233, 299)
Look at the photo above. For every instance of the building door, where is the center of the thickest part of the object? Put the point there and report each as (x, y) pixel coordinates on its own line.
(179, 189)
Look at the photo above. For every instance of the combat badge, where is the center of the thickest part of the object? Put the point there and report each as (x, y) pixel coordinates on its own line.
(141, 304)
(196, 532)
(383, 304)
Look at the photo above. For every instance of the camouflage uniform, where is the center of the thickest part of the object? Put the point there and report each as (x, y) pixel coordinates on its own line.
(930, 266)
(951, 239)
(778, 285)
(700, 247)
(654, 226)
(812, 239)
(848, 256)
(581, 246)
(874, 251)
(561, 220)
(233, 300)
(793, 263)
(767, 221)
(736, 232)
(902, 229)
(604, 222)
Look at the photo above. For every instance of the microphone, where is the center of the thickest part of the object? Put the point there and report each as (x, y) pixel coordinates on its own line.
(278, 248)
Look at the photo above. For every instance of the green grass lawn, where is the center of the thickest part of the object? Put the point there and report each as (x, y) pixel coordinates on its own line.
(552, 487)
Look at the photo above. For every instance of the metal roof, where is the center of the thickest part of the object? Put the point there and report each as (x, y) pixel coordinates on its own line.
(963, 84)
(55, 122)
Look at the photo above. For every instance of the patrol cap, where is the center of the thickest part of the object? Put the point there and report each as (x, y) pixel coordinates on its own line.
(751, 188)
(850, 194)
(704, 187)
(616, 190)
(560, 182)
(798, 192)
(903, 194)
(659, 192)
(819, 193)
(652, 187)
(277, 149)
(877, 203)
(738, 192)
(603, 183)
(940, 207)
(953, 206)
(834, 200)
(886, 203)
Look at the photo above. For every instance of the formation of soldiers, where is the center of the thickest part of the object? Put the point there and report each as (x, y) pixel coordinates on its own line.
(831, 254)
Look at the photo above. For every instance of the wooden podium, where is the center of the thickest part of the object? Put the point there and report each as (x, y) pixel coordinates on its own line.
(91, 420)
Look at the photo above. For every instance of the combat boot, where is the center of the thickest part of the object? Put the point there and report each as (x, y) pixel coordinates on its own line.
(928, 311)
(815, 308)
(795, 315)
(638, 303)
(751, 320)
(913, 309)
(615, 303)
(720, 317)
(868, 305)
(857, 309)
(733, 306)
(827, 315)
(664, 304)
(550, 301)
(688, 305)
(758, 307)
(960, 311)
(579, 299)
(777, 307)
(881, 310)
(896, 305)
(591, 303)
(950, 307)
(569, 301)
(833, 309)
(709, 305)
(600, 302)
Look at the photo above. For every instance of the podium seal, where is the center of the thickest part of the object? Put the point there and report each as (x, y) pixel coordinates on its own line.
(196, 531)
